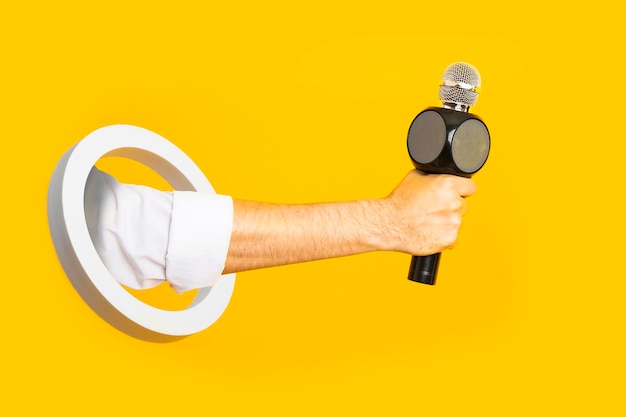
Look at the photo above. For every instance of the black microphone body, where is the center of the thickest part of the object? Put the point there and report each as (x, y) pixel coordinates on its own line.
(446, 140)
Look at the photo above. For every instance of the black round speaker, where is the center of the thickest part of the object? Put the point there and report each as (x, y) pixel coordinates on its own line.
(445, 141)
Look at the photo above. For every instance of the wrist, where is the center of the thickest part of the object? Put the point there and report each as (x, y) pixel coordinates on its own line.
(380, 231)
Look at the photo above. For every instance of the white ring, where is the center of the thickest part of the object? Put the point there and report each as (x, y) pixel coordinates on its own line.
(78, 256)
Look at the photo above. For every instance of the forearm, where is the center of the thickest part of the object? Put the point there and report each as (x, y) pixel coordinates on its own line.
(267, 235)
(421, 216)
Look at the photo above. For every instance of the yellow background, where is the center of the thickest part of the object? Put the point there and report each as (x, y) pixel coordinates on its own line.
(297, 102)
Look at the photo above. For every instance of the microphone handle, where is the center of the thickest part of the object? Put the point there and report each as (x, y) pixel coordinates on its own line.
(424, 269)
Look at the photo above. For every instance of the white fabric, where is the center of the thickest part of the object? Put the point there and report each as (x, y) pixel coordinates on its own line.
(145, 236)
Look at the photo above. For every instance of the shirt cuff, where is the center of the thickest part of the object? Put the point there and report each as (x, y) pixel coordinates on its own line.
(200, 230)
(129, 227)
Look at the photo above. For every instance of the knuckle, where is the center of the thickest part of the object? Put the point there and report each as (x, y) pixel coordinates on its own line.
(450, 240)
(449, 237)
(446, 181)
(456, 204)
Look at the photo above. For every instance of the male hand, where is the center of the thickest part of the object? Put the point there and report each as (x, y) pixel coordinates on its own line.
(425, 212)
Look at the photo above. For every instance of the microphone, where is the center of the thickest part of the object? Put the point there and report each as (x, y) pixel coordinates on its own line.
(448, 140)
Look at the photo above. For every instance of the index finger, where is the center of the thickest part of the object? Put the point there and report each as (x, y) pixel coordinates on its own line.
(465, 186)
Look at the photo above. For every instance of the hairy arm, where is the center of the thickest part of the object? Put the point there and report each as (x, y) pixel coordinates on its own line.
(422, 215)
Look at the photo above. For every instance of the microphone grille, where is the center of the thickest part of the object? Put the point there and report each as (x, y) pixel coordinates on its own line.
(461, 82)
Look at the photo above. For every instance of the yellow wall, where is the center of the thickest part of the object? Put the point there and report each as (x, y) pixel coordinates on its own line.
(292, 103)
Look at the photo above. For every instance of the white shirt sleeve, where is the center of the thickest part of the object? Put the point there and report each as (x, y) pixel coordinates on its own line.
(145, 236)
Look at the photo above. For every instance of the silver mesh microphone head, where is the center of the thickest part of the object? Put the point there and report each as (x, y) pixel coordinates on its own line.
(460, 87)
